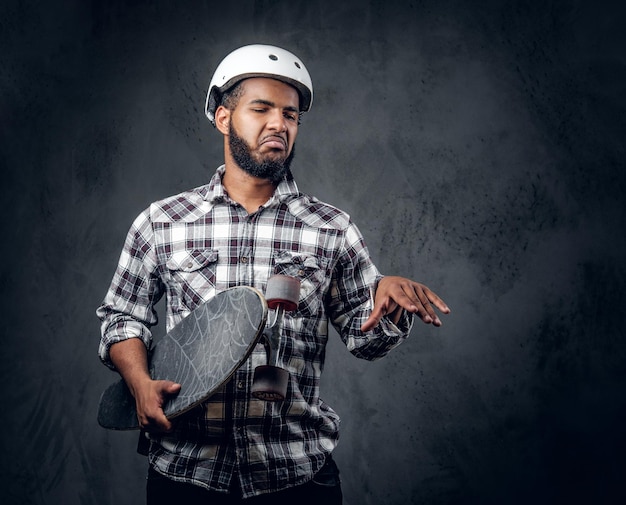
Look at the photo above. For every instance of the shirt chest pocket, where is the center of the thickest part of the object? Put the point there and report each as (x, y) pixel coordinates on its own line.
(191, 277)
(311, 273)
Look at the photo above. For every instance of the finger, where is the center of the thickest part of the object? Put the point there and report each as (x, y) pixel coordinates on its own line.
(171, 388)
(155, 423)
(373, 320)
(157, 427)
(402, 297)
(437, 301)
(370, 324)
(425, 310)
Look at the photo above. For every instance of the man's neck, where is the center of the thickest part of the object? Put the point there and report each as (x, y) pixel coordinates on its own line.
(248, 191)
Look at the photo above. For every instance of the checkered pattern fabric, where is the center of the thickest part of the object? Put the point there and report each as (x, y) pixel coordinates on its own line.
(195, 244)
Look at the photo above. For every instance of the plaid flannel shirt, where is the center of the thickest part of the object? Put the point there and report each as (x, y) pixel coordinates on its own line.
(195, 244)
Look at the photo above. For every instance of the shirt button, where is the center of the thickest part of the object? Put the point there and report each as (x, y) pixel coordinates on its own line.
(240, 385)
(244, 259)
(189, 265)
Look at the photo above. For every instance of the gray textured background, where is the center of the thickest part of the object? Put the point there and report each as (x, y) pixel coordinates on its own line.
(478, 145)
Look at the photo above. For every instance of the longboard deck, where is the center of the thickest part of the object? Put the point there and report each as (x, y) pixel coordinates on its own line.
(201, 353)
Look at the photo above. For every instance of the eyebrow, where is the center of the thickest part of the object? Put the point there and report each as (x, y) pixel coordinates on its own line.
(261, 101)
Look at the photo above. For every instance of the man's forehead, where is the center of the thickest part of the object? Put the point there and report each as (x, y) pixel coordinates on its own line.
(270, 90)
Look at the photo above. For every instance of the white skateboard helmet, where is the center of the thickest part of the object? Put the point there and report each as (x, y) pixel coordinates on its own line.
(259, 61)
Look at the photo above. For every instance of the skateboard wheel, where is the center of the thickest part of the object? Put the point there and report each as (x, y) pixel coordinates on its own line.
(270, 383)
(282, 290)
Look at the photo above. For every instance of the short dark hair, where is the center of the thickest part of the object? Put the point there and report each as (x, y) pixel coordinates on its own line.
(230, 97)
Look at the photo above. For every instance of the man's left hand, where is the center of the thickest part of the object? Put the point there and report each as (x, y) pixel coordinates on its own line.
(397, 293)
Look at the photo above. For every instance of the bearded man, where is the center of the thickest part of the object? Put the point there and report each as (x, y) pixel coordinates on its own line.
(248, 223)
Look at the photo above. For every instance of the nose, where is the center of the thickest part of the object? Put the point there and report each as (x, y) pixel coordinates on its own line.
(277, 121)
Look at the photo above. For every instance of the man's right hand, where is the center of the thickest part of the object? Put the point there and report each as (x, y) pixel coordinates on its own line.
(150, 397)
(130, 357)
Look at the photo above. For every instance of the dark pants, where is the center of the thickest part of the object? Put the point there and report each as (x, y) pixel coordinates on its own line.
(324, 489)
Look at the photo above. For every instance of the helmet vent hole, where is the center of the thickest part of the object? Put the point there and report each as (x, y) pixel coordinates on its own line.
(273, 57)
(296, 64)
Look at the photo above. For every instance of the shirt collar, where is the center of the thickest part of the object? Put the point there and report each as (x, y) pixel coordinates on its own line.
(214, 192)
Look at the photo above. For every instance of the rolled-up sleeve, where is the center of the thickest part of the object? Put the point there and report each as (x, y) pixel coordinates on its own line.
(128, 307)
(351, 301)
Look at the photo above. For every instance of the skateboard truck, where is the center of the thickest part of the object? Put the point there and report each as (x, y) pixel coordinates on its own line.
(270, 381)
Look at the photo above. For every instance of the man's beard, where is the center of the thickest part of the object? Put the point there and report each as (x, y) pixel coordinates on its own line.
(274, 171)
